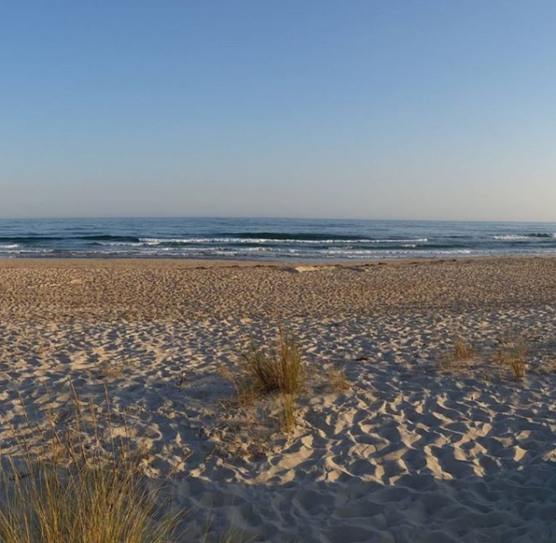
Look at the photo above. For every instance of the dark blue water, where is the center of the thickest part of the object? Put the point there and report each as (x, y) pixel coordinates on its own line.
(270, 239)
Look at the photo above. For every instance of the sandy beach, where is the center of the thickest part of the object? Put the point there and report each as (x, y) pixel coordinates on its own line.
(414, 449)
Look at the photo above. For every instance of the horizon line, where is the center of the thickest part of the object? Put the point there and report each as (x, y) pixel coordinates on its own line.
(278, 218)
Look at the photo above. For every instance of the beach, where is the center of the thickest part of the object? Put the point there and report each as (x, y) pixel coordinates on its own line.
(416, 446)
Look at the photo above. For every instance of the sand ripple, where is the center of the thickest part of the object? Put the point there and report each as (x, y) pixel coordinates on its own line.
(409, 454)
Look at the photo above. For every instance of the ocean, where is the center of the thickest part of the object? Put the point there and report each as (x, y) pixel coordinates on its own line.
(270, 239)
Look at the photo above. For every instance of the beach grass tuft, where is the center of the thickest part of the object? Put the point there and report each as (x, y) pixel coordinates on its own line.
(461, 352)
(270, 368)
(77, 493)
(276, 368)
(463, 349)
(514, 355)
(337, 380)
(289, 417)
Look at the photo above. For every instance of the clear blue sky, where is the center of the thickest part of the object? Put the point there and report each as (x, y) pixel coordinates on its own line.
(309, 108)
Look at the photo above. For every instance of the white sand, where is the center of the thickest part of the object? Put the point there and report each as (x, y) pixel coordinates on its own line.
(410, 454)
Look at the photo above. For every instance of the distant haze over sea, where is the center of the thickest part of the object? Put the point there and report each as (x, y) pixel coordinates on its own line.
(270, 239)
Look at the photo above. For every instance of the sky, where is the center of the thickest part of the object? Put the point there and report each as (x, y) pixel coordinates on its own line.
(378, 109)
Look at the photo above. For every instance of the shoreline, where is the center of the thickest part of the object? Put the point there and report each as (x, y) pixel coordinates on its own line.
(230, 263)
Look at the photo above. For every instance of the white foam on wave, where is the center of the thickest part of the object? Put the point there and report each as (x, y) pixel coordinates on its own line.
(370, 252)
(118, 243)
(300, 253)
(521, 237)
(510, 237)
(18, 250)
(262, 241)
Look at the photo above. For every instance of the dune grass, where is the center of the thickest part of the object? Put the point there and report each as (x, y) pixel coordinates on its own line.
(77, 493)
(513, 355)
(276, 368)
(463, 349)
(289, 416)
(273, 368)
(337, 380)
